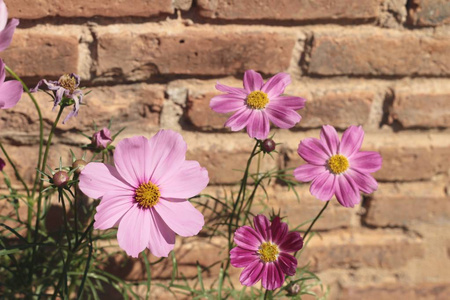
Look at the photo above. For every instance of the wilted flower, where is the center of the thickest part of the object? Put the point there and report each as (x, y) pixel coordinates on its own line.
(101, 139)
(6, 31)
(145, 193)
(263, 252)
(258, 103)
(338, 167)
(65, 88)
(10, 91)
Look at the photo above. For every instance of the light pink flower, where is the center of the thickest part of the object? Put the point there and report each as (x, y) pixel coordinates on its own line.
(101, 139)
(258, 103)
(145, 193)
(338, 167)
(263, 252)
(10, 91)
(6, 31)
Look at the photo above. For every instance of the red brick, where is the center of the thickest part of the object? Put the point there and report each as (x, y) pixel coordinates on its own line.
(36, 9)
(300, 10)
(429, 12)
(201, 115)
(193, 51)
(379, 52)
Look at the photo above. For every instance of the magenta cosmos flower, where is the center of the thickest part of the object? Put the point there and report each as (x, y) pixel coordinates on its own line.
(6, 30)
(258, 103)
(338, 167)
(101, 139)
(145, 193)
(263, 252)
(10, 91)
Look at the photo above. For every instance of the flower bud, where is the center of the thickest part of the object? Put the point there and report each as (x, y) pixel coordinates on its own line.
(293, 289)
(268, 145)
(79, 165)
(60, 179)
(2, 164)
(101, 139)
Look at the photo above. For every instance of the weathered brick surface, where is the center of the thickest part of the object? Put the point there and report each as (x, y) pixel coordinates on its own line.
(201, 115)
(429, 12)
(300, 10)
(379, 52)
(193, 51)
(36, 9)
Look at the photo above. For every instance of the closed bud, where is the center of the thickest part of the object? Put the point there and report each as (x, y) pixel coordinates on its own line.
(268, 145)
(60, 179)
(79, 165)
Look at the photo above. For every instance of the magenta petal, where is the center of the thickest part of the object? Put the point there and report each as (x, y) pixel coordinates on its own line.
(231, 90)
(253, 81)
(313, 151)
(288, 263)
(97, 179)
(112, 208)
(258, 125)
(347, 192)
(273, 277)
(282, 117)
(366, 161)
(227, 103)
(162, 238)
(291, 102)
(323, 186)
(252, 273)
(365, 182)
(292, 242)
(134, 230)
(279, 230)
(247, 238)
(181, 216)
(241, 258)
(10, 93)
(6, 34)
(262, 226)
(351, 141)
(308, 172)
(330, 138)
(240, 119)
(275, 86)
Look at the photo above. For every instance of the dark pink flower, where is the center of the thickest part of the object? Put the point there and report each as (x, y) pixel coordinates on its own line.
(145, 193)
(101, 139)
(258, 103)
(10, 91)
(263, 252)
(338, 167)
(6, 31)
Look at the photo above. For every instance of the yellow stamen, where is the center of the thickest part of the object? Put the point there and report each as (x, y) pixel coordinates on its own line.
(68, 82)
(268, 252)
(257, 100)
(338, 164)
(147, 195)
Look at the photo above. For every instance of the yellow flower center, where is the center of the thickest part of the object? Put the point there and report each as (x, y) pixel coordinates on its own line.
(257, 100)
(147, 195)
(268, 252)
(68, 82)
(338, 164)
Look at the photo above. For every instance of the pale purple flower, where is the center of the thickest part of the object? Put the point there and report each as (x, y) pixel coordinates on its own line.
(258, 103)
(338, 167)
(10, 91)
(145, 193)
(6, 30)
(263, 252)
(65, 87)
(101, 139)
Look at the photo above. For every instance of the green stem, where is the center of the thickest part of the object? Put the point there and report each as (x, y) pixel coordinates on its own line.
(266, 295)
(315, 220)
(66, 223)
(16, 172)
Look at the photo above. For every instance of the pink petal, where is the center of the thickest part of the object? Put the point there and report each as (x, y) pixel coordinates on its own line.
(162, 238)
(282, 117)
(323, 186)
(291, 102)
(313, 151)
(347, 192)
(365, 182)
(279, 230)
(273, 277)
(181, 216)
(308, 172)
(134, 230)
(351, 141)
(275, 86)
(187, 182)
(292, 242)
(253, 81)
(240, 119)
(227, 103)
(330, 138)
(241, 258)
(3, 15)
(10, 93)
(262, 226)
(231, 90)
(366, 161)
(287, 263)
(247, 238)
(252, 273)
(258, 125)
(2, 71)
(112, 208)
(6, 34)
(97, 179)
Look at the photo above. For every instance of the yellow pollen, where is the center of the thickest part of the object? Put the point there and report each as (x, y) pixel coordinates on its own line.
(338, 164)
(147, 195)
(257, 100)
(68, 82)
(268, 252)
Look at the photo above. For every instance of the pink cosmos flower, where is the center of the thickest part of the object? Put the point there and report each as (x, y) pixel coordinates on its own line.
(338, 167)
(258, 103)
(101, 139)
(145, 193)
(263, 252)
(6, 31)
(10, 91)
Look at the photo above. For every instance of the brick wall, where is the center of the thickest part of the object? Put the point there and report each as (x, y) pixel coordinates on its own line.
(384, 64)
